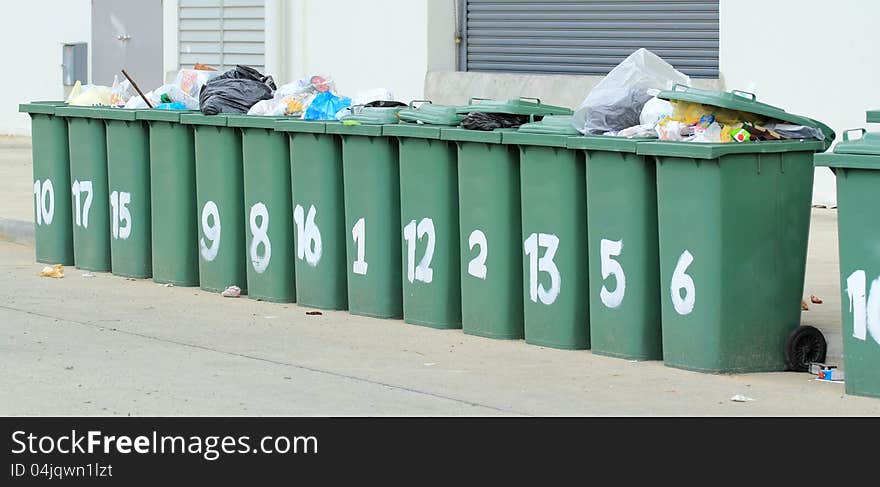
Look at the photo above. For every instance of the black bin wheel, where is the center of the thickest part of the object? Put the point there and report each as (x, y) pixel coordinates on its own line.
(805, 345)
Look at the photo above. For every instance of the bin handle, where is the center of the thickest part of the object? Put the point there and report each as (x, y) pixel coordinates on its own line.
(676, 86)
(412, 104)
(537, 100)
(472, 100)
(745, 94)
(360, 108)
(846, 133)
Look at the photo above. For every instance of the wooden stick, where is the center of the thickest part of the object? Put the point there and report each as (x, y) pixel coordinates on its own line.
(136, 87)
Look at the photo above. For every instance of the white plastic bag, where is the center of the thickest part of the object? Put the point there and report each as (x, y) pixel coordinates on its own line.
(89, 95)
(616, 102)
(191, 80)
(375, 94)
(174, 92)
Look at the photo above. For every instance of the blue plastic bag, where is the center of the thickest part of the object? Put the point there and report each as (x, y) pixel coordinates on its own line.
(177, 105)
(325, 106)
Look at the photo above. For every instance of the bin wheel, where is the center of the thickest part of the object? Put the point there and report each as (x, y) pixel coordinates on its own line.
(805, 345)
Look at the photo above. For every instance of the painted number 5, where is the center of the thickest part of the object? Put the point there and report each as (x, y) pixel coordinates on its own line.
(608, 249)
(544, 263)
(684, 305)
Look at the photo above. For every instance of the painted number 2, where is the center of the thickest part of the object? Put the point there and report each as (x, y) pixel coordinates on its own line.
(681, 282)
(865, 308)
(119, 201)
(44, 196)
(80, 207)
(477, 265)
(259, 223)
(544, 263)
(308, 236)
(608, 249)
(412, 232)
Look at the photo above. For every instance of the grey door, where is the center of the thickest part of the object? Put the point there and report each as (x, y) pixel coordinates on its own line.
(127, 34)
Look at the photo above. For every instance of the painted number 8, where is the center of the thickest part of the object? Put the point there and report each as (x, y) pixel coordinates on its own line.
(260, 237)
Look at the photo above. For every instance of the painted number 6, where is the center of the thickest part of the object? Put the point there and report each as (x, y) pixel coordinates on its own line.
(684, 305)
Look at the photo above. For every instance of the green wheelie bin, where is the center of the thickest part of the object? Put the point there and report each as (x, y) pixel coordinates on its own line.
(318, 214)
(624, 271)
(856, 164)
(87, 139)
(53, 226)
(429, 226)
(554, 234)
(268, 209)
(128, 180)
(175, 220)
(219, 202)
(733, 222)
(371, 181)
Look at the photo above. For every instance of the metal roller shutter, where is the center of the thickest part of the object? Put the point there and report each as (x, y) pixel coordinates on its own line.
(587, 36)
(222, 33)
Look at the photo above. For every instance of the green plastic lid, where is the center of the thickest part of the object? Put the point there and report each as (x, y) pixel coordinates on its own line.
(554, 124)
(861, 153)
(521, 106)
(873, 116)
(78, 112)
(123, 114)
(253, 121)
(605, 143)
(163, 115)
(302, 126)
(202, 119)
(371, 116)
(744, 102)
(867, 144)
(44, 107)
(431, 114)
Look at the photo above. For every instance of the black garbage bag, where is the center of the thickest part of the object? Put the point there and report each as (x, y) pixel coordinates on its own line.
(385, 104)
(235, 91)
(492, 121)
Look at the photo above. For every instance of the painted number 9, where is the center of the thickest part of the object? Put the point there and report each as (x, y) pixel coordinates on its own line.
(684, 305)
(211, 231)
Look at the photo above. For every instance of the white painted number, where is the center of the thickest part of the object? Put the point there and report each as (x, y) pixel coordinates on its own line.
(260, 230)
(608, 249)
(308, 236)
(359, 234)
(81, 208)
(681, 281)
(866, 313)
(44, 197)
(119, 208)
(411, 233)
(546, 264)
(477, 265)
(211, 230)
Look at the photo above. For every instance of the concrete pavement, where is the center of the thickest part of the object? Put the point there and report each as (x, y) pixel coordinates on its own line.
(112, 346)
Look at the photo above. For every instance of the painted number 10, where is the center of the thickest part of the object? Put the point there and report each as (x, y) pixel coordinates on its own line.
(44, 196)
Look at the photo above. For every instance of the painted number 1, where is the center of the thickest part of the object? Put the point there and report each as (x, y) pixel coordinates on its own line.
(359, 234)
(865, 307)
(545, 264)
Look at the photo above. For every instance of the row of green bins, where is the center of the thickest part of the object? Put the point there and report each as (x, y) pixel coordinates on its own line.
(554, 234)
(856, 163)
(428, 222)
(53, 236)
(128, 182)
(371, 180)
(733, 221)
(219, 202)
(174, 230)
(268, 209)
(318, 213)
(87, 139)
(624, 271)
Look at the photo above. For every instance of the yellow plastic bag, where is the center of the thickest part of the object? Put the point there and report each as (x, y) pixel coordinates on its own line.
(56, 271)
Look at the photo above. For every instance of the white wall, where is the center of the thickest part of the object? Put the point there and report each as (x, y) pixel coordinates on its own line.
(361, 45)
(32, 33)
(810, 57)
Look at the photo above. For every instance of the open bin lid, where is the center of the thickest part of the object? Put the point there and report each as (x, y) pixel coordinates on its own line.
(743, 102)
(430, 114)
(43, 107)
(372, 116)
(520, 106)
(551, 131)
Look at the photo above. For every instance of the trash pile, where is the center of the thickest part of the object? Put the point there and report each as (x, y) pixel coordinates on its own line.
(625, 104)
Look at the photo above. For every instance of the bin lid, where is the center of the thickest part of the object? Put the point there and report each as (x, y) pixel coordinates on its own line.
(45, 107)
(253, 121)
(430, 114)
(78, 112)
(163, 115)
(219, 120)
(520, 106)
(301, 126)
(551, 131)
(744, 102)
(861, 153)
(553, 125)
(605, 143)
(867, 144)
(371, 116)
(123, 114)
(459, 134)
(873, 116)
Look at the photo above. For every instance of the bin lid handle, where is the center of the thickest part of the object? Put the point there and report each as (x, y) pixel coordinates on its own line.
(537, 100)
(846, 133)
(412, 104)
(744, 94)
(679, 87)
(472, 100)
